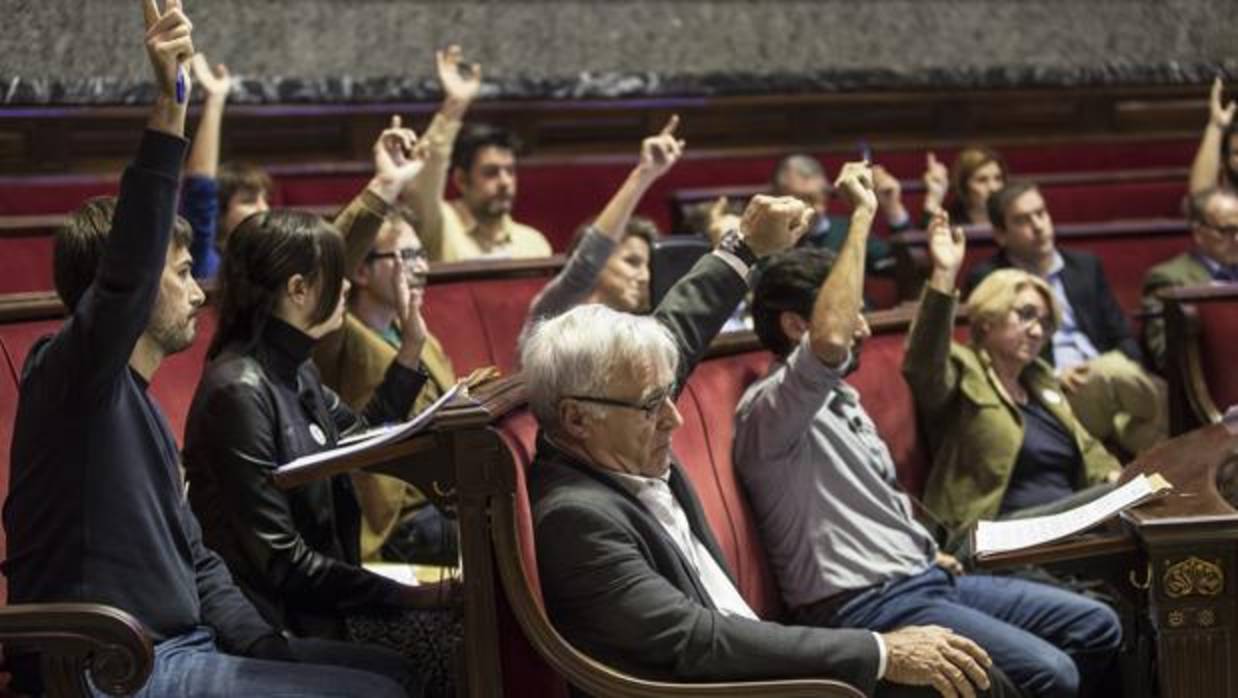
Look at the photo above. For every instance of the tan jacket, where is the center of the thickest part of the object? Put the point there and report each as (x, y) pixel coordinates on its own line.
(1183, 270)
(977, 429)
(352, 362)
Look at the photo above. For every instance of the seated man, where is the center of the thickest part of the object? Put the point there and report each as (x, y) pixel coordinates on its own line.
(398, 523)
(630, 572)
(1214, 227)
(97, 512)
(482, 165)
(803, 177)
(842, 538)
(1096, 356)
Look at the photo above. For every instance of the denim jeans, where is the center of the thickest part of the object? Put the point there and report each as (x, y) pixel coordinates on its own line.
(1050, 642)
(192, 666)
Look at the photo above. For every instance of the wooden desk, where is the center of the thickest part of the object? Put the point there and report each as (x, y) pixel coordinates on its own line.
(1175, 559)
(453, 464)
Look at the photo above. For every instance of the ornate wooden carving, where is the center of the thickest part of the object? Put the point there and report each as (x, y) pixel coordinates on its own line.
(1193, 577)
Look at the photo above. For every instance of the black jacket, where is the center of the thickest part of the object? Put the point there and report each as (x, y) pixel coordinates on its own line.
(617, 586)
(1096, 310)
(295, 553)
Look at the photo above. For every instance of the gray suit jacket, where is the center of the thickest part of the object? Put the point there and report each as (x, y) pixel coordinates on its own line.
(616, 585)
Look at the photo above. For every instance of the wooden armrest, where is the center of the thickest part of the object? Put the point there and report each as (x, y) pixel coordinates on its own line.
(73, 638)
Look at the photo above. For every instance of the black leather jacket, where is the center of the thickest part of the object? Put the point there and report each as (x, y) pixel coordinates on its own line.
(294, 553)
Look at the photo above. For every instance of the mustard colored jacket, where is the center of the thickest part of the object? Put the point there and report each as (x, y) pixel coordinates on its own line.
(974, 428)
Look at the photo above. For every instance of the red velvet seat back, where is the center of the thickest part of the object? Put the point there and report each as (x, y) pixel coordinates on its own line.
(8, 413)
(524, 671)
(26, 264)
(479, 321)
(704, 447)
(1127, 259)
(1218, 339)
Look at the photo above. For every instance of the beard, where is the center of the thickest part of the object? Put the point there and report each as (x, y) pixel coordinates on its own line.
(173, 337)
(854, 365)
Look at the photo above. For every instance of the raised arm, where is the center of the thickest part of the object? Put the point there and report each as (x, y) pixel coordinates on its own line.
(936, 184)
(836, 312)
(658, 155)
(926, 363)
(95, 344)
(890, 199)
(200, 192)
(461, 82)
(697, 306)
(1207, 164)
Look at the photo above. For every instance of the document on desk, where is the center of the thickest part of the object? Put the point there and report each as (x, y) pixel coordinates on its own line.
(379, 436)
(992, 537)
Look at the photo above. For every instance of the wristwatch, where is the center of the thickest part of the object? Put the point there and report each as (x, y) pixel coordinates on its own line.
(732, 242)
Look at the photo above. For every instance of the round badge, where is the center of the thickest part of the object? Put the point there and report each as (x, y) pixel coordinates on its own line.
(316, 432)
(1051, 396)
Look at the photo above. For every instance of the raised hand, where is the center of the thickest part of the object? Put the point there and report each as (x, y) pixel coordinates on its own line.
(935, 656)
(659, 153)
(855, 181)
(936, 182)
(169, 44)
(946, 244)
(397, 160)
(461, 81)
(413, 330)
(886, 186)
(1220, 116)
(215, 81)
(774, 223)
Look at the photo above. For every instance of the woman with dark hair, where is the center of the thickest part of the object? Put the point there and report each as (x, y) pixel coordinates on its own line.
(261, 404)
(976, 173)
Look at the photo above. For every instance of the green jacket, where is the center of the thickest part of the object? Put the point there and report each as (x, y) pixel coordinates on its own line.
(977, 430)
(1183, 270)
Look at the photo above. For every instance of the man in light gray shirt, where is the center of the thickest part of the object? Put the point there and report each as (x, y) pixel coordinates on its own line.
(841, 536)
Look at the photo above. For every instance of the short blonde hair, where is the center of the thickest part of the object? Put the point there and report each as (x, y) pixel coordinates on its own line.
(994, 298)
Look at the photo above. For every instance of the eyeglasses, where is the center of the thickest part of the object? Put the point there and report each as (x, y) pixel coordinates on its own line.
(1228, 232)
(408, 255)
(650, 407)
(1028, 314)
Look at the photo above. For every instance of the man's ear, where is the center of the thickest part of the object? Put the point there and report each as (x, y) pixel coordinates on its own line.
(361, 277)
(573, 420)
(793, 326)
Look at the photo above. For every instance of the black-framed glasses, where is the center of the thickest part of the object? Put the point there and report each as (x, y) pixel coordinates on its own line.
(1028, 314)
(407, 255)
(650, 406)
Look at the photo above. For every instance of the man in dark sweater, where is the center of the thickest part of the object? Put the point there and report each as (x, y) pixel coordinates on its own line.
(96, 509)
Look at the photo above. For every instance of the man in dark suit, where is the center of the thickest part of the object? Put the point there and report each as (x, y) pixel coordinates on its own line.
(1096, 355)
(630, 571)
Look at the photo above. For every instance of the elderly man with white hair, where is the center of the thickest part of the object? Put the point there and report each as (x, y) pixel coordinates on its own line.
(630, 571)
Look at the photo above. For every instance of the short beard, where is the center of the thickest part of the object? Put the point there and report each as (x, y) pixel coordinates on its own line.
(173, 339)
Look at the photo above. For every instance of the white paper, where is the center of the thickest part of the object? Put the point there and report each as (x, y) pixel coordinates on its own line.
(1005, 536)
(380, 436)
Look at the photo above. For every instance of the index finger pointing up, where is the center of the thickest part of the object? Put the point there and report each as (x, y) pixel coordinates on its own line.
(671, 124)
(150, 13)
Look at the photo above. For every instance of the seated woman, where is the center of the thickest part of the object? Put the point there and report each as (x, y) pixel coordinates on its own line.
(609, 259)
(976, 173)
(260, 404)
(1004, 437)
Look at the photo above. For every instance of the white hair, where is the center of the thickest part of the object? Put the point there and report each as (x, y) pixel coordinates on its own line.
(578, 352)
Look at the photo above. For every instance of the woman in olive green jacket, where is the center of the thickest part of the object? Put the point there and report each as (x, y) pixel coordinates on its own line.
(1002, 435)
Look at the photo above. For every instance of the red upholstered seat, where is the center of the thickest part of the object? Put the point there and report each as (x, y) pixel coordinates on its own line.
(478, 321)
(1218, 319)
(26, 264)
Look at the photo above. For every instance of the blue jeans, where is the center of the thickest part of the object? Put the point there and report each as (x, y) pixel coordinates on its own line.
(1052, 643)
(191, 666)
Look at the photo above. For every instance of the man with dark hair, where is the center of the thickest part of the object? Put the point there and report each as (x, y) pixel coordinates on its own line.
(1213, 214)
(803, 177)
(482, 166)
(96, 511)
(842, 539)
(1096, 355)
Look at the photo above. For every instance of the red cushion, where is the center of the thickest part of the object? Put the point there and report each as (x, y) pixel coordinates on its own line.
(1219, 320)
(26, 264)
(717, 386)
(478, 322)
(503, 305)
(451, 316)
(1127, 259)
(8, 413)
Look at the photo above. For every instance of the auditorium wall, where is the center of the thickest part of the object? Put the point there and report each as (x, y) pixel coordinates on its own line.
(76, 51)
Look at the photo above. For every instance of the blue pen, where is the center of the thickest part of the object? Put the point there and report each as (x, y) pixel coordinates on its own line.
(180, 86)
